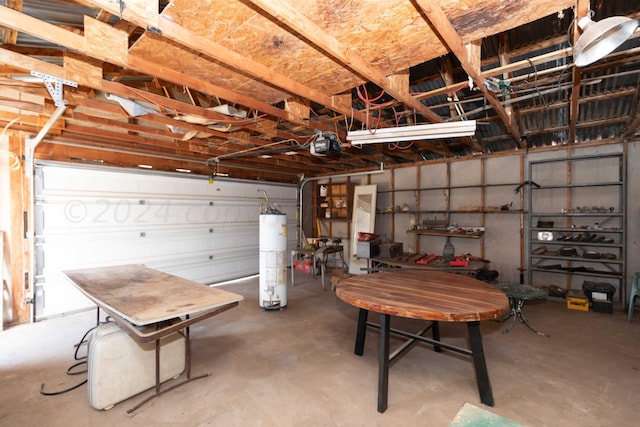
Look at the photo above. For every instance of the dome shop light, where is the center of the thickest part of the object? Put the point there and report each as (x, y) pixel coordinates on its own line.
(601, 38)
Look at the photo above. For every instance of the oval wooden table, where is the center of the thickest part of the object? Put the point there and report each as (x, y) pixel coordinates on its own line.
(427, 295)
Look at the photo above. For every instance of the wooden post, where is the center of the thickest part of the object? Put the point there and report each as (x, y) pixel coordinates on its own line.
(19, 246)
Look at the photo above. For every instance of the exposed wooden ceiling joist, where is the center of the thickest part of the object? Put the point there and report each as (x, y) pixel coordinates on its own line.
(294, 67)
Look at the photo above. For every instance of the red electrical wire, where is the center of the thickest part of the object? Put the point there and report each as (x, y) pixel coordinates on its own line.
(367, 102)
(396, 145)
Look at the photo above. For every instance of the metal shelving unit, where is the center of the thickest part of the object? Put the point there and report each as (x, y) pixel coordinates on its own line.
(577, 221)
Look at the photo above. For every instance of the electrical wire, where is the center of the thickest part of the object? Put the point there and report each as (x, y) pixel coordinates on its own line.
(545, 106)
(560, 78)
(70, 370)
(14, 160)
(397, 145)
(367, 103)
(348, 122)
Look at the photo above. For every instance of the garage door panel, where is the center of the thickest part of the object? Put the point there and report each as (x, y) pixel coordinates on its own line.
(96, 243)
(99, 212)
(181, 225)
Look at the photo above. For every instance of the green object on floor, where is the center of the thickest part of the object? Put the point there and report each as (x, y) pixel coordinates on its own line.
(470, 415)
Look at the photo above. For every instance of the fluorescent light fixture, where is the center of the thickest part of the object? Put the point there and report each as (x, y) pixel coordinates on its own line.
(413, 133)
(145, 166)
(183, 170)
(290, 153)
(601, 38)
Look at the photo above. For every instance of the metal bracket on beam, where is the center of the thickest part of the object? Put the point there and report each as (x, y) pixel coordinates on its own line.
(54, 86)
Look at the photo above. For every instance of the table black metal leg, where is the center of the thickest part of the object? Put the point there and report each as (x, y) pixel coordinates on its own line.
(383, 362)
(479, 363)
(435, 330)
(361, 331)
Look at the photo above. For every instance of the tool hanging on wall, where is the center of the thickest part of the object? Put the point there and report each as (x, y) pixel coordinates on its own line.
(528, 182)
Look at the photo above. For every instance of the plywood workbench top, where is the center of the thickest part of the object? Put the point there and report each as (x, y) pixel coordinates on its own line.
(145, 296)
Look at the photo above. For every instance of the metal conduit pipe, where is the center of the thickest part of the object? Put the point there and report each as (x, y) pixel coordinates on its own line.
(30, 147)
(305, 181)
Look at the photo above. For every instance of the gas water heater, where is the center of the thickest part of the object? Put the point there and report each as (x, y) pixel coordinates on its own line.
(273, 259)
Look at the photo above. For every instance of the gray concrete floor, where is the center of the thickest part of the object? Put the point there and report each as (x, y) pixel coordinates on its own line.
(296, 367)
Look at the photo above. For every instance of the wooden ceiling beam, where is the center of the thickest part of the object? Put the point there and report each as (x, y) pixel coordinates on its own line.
(445, 29)
(291, 18)
(582, 9)
(226, 149)
(28, 63)
(513, 109)
(126, 91)
(634, 118)
(111, 141)
(10, 36)
(447, 76)
(103, 42)
(66, 150)
(178, 34)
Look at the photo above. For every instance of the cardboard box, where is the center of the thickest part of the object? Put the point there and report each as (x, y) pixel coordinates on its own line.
(577, 300)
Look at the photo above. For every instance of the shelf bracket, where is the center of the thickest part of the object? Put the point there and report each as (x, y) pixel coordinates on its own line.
(54, 86)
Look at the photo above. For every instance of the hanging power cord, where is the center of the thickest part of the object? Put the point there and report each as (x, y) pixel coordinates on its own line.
(545, 106)
(70, 370)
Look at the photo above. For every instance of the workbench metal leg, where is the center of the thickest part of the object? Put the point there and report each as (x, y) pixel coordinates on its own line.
(313, 272)
(479, 363)
(293, 267)
(187, 351)
(361, 331)
(383, 363)
(323, 263)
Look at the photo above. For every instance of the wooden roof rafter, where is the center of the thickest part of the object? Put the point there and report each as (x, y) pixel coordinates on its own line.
(291, 18)
(107, 44)
(158, 23)
(469, 56)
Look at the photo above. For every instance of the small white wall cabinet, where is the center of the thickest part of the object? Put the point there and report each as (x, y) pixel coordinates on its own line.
(577, 221)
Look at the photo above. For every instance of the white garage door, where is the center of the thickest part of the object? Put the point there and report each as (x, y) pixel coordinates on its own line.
(89, 217)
